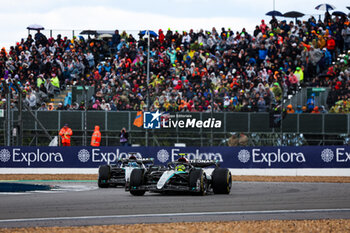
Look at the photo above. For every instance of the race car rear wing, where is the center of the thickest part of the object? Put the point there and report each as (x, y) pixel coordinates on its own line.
(204, 163)
(201, 162)
(140, 160)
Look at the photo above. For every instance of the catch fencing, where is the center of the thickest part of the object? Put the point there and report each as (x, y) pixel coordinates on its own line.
(231, 122)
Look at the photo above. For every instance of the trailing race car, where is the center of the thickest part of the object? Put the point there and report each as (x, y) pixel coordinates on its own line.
(118, 174)
(181, 176)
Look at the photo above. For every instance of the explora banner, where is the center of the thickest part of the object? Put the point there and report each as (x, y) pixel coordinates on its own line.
(230, 157)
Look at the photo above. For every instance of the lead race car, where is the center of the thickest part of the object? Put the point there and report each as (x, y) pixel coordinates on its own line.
(118, 174)
(183, 175)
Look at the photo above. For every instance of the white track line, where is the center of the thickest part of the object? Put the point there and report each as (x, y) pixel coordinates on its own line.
(177, 215)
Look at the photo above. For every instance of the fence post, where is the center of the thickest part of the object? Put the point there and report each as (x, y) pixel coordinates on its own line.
(82, 127)
(348, 123)
(8, 110)
(106, 127)
(248, 122)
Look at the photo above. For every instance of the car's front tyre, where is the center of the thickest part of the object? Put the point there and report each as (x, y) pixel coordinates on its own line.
(195, 176)
(136, 180)
(221, 181)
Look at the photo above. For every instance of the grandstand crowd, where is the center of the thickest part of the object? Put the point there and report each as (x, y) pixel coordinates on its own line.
(215, 70)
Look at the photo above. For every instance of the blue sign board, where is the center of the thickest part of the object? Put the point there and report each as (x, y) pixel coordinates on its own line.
(230, 157)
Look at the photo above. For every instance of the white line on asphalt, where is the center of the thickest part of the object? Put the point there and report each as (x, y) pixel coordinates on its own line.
(177, 215)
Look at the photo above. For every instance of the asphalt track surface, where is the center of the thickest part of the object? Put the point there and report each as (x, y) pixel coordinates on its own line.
(79, 204)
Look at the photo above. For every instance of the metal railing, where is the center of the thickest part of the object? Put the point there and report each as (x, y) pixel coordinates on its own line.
(231, 122)
(320, 126)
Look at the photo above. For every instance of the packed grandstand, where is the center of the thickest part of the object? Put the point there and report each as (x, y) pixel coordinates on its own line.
(215, 70)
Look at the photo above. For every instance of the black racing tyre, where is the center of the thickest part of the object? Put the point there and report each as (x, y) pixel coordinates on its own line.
(221, 181)
(137, 192)
(104, 172)
(136, 180)
(195, 175)
(101, 183)
(103, 176)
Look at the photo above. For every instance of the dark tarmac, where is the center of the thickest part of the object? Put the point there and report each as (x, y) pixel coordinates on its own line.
(82, 204)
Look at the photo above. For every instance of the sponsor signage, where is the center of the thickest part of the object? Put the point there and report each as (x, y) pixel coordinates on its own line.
(157, 120)
(230, 157)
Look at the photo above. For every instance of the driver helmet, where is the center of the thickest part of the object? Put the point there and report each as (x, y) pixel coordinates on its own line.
(132, 161)
(133, 164)
(180, 168)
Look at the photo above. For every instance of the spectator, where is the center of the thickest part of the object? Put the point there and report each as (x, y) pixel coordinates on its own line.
(315, 110)
(51, 107)
(233, 140)
(124, 137)
(311, 103)
(299, 74)
(299, 110)
(60, 107)
(304, 109)
(243, 140)
(42, 107)
(116, 38)
(31, 100)
(323, 109)
(290, 109)
(346, 35)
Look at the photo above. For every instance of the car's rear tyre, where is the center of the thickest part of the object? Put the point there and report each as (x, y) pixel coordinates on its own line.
(195, 175)
(104, 173)
(136, 180)
(221, 181)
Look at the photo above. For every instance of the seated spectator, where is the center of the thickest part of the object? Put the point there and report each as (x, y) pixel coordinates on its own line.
(60, 106)
(299, 110)
(42, 107)
(304, 109)
(233, 140)
(315, 110)
(243, 139)
(290, 109)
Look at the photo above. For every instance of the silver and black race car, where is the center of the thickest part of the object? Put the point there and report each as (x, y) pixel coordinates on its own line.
(113, 175)
(184, 176)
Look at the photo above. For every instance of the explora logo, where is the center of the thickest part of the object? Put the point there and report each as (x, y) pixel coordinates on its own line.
(30, 157)
(341, 156)
(197, 156)
(271, 157)
(108, 157)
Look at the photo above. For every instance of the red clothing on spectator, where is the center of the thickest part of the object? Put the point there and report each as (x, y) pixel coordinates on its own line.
(331, 44)
(293, 79)
(316, 110)
(161, 36)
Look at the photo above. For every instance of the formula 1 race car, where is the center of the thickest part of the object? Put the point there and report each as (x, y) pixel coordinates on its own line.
(184, 176)
(118, 174)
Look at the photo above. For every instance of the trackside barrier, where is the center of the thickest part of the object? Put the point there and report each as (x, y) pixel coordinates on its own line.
(308, 157)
